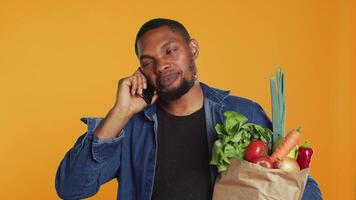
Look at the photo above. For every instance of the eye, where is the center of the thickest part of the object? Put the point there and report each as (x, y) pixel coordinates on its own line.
(146, 64)
(169, 51)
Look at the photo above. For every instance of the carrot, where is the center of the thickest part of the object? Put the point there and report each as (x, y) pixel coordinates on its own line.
(288, 143)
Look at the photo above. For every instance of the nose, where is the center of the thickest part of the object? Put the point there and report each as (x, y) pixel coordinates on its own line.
(162, 65)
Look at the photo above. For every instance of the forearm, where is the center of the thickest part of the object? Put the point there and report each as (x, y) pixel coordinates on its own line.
(113, 123)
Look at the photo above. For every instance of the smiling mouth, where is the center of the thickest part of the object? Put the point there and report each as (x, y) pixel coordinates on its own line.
(167, 80)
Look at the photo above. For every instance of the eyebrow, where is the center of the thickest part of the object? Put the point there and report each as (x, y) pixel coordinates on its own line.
(164, 45)
(146, 56)
(167, 43)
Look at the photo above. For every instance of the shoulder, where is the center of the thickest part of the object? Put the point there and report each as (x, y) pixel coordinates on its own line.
(251, 109)
(226, 98)
(242, 105)
(232, 100)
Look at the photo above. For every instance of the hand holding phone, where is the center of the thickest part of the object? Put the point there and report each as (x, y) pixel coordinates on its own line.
(148, 93)
(128, 102)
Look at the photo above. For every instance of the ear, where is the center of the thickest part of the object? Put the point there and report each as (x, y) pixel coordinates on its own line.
(194, 48)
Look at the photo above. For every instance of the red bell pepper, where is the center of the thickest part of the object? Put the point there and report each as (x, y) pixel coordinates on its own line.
(304, 157)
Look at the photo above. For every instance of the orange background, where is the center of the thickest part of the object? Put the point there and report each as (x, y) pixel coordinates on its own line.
(61, 60)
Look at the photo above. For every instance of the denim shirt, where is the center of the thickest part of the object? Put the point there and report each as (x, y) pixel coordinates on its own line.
(131, 156)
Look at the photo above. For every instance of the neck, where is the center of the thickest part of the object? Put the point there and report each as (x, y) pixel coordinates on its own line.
(187, 104)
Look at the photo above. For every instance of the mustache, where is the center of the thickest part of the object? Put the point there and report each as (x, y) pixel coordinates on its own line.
(168, 73)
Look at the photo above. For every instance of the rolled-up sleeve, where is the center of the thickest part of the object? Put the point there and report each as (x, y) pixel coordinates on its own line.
(88, 164)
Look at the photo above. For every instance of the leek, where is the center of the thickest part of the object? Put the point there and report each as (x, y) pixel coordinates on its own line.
(278, 106)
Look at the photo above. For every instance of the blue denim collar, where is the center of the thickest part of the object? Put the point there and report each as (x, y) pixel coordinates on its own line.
(213, 94)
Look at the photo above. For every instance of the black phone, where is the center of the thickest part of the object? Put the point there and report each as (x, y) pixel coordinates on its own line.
(147, 93)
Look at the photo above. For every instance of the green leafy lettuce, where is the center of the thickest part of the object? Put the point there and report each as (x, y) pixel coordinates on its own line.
(233, 138)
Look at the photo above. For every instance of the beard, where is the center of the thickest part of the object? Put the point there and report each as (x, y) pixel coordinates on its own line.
(184, 86)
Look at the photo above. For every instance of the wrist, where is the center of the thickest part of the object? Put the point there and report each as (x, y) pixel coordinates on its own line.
(114, 121)
(122, 112)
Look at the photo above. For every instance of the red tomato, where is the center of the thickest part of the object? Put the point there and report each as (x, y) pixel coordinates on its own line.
(264, 161)
(256, 148)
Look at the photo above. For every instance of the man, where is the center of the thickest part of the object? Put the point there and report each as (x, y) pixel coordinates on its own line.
(162, 150)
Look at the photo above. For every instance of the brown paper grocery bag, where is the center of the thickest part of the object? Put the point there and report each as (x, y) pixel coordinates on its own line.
(245, 180)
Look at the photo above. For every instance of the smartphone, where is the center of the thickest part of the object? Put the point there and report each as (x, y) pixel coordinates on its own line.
(147, 93)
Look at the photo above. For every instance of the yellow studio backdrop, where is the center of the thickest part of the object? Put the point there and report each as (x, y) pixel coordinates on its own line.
(61, 60)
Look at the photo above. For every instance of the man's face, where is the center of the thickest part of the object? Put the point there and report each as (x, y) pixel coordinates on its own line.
(168, 61)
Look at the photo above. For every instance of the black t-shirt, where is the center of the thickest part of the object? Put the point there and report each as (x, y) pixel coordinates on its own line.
(182, 169)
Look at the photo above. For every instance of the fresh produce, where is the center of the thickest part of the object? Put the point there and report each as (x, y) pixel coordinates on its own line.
(287, 164)
(256, 152)
(304, 157)
(278, 106)
(242, 140)
(293, 153)
(284, 148)
(256, 148)
(264, 161)
(233, 138)
(287, 144)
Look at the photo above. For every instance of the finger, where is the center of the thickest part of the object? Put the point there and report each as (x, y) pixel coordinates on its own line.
(143, 78)
(154, 98)
(133, 80)
(138, 71)
(144, 81)
(139, 84)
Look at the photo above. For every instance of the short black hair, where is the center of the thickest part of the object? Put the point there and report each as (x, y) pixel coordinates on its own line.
(159, 22)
